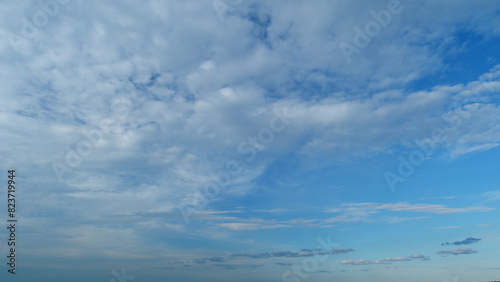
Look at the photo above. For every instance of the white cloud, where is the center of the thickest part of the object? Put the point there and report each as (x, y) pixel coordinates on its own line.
(182, 89)
(367, 212)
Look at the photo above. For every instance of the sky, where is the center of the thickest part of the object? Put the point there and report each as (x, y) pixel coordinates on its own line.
(230, 140)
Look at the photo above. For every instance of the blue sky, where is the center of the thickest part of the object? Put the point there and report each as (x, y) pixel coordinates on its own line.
(234, 140)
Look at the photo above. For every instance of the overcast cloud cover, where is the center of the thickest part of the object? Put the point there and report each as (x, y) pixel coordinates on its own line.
(234, 140)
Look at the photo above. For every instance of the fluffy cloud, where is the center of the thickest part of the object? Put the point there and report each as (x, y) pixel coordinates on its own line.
(173, 98)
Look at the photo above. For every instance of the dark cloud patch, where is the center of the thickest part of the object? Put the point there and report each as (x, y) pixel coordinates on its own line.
(283, 264)
(227, 266)
(216, 259)
(275, 254)
(321, 253)
(340, 251)
(290, 254)
(363, 262)
(256, 256)
(419, 256)
(461, 251)
(311, 250)
(296, 255)
(467, 241)
(199, 261)
(209, 259)
(282, 254)
(319, 271)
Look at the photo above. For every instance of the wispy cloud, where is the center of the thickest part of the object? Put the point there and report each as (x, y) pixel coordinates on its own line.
(419, 256)
(349, 212)
(385, 260)
(236, 226)
(395, 219)
(425, 208)
(359, 212)
(460, 251)
(466, 241)
(396, 259)
(449, 227)
(363, 262)
(274, 254)
(273, 210)
(492, 195)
